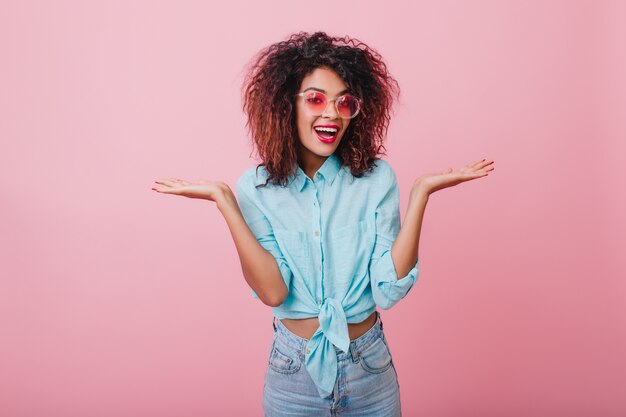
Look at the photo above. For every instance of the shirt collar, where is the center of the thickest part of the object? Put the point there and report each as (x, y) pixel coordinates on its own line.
(329, 170)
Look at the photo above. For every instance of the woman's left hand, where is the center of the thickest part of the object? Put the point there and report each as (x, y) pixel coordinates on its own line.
(436, 181)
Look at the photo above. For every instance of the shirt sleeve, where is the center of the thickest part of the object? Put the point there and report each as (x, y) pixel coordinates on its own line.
(387, 287)
(260, 227)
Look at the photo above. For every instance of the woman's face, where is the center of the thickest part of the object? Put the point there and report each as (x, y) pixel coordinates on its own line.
(315, 146)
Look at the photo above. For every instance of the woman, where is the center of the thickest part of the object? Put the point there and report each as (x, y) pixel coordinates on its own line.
(317, 223)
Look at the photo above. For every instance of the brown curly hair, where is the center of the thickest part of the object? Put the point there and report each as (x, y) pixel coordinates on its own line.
(273, 78)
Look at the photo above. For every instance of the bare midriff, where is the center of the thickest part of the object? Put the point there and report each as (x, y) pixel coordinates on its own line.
(305, 328)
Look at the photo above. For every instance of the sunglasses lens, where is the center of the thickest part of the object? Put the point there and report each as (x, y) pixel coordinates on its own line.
(316, 102)
(347, 105)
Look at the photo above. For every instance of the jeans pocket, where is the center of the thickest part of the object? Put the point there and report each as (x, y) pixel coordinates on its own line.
(376, 358)
(284, 361)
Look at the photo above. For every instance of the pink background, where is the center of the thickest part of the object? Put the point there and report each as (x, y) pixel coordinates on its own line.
(118, 301)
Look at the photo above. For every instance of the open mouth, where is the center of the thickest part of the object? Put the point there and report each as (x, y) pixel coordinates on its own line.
(326, 134)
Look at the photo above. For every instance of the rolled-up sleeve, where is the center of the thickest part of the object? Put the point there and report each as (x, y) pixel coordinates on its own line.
(260, 227)
(387, 287)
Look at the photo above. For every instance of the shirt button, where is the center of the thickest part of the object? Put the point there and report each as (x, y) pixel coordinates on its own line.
(318, 175)
(317, 233)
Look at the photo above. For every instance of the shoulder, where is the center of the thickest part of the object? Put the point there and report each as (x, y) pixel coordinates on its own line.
(381, 175)
(383, 166)
(384, 172)
(250, 178)
(381, 169)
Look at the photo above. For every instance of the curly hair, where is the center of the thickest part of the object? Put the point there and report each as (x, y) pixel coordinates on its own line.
(274, 77)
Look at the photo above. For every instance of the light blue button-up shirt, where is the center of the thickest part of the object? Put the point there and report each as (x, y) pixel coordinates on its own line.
(331, 236)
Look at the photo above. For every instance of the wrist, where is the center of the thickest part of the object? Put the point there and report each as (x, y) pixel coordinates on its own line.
(224, 197)
(419, 191)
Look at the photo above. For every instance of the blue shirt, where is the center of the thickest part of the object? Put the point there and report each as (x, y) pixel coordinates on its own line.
(331, 237)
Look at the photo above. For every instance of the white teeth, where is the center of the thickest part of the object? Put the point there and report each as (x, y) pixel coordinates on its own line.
(327, 129)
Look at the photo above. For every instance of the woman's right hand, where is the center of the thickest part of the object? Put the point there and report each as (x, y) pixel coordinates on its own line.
(203, 189)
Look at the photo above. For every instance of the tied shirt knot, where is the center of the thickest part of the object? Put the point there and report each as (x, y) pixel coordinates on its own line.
(321, 356)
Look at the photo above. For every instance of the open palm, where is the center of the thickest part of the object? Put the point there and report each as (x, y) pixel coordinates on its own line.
(203, 189)
(451, 177)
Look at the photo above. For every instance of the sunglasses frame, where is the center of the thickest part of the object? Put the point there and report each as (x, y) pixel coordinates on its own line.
(358, 100)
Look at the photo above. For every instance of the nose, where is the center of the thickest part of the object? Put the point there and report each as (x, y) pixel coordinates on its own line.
(332, 113)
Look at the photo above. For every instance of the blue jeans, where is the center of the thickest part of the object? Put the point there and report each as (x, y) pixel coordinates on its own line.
(367, 382)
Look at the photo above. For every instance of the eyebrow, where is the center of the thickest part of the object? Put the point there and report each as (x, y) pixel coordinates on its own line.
(323, 91)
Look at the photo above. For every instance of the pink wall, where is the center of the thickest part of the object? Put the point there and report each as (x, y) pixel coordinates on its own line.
(117, 301)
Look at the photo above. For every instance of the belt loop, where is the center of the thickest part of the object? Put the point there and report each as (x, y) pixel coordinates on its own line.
(354, 352)
(273, 323)
(380, 320)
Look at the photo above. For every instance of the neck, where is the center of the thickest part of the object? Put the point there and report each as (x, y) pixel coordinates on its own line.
(311, 164)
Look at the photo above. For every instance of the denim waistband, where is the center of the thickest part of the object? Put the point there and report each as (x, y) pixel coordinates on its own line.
(297, 343)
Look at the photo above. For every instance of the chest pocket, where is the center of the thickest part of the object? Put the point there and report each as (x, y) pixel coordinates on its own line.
(350, 251)
(295, 248)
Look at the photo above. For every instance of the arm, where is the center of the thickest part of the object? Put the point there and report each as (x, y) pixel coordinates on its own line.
(262, 262)
(394, 262)
(264, 274)
(404, 250)
(387, 287)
